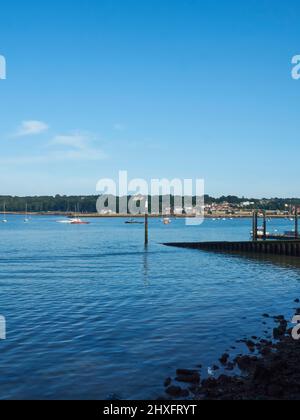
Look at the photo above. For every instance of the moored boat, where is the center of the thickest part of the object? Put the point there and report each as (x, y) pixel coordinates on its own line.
(26, 220)
(78, 221)
(4, 214)
(133, 222)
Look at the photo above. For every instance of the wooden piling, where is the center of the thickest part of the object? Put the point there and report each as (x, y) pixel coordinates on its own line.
(265, 226)
(255, 225)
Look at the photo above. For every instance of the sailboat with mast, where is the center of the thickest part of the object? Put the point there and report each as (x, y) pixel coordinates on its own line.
(76, 220)
(4, 214)
(26, 220)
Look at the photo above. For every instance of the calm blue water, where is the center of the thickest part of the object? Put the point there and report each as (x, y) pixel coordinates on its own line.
(90, 313)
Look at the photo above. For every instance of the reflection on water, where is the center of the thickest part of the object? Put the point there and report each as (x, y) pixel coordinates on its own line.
(280, 260)
(91, 313)
(146, 266)
(288, 262)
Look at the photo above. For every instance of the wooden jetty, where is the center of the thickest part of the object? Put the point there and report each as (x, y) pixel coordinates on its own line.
(262, 242)
(286, 247)
(258, 233)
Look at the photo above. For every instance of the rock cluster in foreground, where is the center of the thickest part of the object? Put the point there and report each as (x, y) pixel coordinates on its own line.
(271, 371)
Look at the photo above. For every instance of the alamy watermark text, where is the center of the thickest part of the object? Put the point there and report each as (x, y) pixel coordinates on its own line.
(2, 67)
(296, 68)
(137, 197)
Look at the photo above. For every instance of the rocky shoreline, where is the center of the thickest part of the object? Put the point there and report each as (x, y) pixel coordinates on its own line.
(268, 370)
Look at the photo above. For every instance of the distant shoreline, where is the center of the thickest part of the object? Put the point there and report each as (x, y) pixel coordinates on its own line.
(126, 216)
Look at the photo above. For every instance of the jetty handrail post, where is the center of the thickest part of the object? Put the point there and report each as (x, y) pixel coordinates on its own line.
(255, 225)
(296, 224)
(265, 225)
(146, 223)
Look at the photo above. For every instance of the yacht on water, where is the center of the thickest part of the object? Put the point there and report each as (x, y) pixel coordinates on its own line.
(26, 220)
(4, 214)
(74, 220)
(78, 221)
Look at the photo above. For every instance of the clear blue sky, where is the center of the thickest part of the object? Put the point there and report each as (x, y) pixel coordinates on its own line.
(181, 88)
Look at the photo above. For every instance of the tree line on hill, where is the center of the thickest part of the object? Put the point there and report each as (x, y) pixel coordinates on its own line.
(87, 204)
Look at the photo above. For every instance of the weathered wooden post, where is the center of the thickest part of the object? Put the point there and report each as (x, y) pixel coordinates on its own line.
(146, 223)
(265, 226)
(255, 225)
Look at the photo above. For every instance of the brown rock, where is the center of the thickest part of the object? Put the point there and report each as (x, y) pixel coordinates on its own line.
(177, 392)
(262, 374)
(279, 318)
(209, 383)
(189, 379)
(224, 359)
(184, 372)
(246, 363)
(251, 345)
(279, 332)
(265, 351)
(230, 366)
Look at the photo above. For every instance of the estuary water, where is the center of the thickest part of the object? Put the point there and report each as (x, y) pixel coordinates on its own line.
(91, 314)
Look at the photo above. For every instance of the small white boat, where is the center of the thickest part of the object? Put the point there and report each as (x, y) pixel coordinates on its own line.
(67, 222)
(78, 221)
(74, 221)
